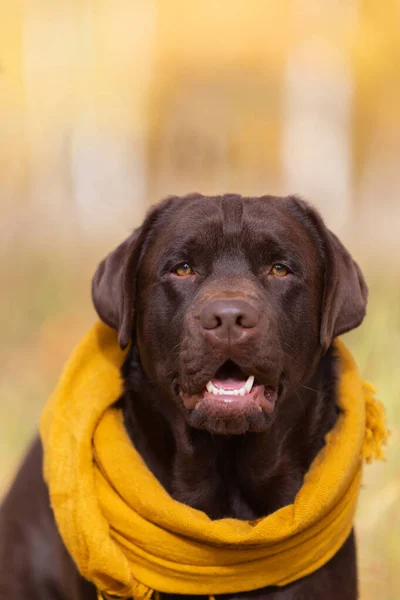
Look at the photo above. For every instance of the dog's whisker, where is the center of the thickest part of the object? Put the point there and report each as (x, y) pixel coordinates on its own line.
(295, 393)
(178, 345)
(310, 388)
(291, 357)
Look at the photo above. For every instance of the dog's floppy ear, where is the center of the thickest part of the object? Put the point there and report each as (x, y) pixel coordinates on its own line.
(109, 294)
(114, 282)
(345, 293)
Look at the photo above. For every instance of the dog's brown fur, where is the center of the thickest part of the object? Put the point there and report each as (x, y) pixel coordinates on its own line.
(229, 463)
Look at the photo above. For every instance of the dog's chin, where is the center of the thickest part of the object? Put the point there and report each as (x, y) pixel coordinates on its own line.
(217, 423)
(230, 414)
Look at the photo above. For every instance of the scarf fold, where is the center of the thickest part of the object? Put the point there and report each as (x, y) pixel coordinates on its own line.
(129, 537)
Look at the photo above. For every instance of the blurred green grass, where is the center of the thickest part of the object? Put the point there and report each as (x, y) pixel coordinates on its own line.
(46, 305)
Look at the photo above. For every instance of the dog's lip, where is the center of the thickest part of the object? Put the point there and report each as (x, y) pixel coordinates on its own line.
(232, 389)
(262, 396)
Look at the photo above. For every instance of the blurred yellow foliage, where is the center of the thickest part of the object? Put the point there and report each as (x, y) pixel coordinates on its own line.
(104, 101)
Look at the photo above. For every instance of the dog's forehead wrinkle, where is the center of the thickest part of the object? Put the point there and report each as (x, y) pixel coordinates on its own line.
(232, 216)
(188, 239)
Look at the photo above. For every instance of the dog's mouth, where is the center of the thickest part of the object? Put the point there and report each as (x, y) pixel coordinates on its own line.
(232, 391)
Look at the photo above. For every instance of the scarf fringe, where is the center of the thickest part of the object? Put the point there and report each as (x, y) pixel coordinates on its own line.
(157, 596)
(148, 594)
(138, 591)
(107, 596)
(376, 433)
(141, 591)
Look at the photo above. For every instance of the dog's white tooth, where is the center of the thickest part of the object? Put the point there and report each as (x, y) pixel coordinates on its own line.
(242, 392)
(210, 387)
(235, 392)
(249, 384)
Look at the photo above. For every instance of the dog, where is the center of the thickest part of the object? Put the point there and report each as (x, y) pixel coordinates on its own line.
(246, 293)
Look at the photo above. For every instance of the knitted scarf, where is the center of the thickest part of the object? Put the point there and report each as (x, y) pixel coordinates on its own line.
(129, 537)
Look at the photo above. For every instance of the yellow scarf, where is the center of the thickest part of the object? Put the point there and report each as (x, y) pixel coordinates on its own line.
(129, 537)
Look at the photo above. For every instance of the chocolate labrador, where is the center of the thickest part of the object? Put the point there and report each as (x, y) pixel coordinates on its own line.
(230, 381)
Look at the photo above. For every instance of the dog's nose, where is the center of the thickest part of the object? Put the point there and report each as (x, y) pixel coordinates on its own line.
(228, 320)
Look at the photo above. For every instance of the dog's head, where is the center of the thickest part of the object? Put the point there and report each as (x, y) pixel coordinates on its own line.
(231, 302)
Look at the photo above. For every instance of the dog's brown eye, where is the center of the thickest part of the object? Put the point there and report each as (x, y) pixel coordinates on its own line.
(183, 270)
(279, 270)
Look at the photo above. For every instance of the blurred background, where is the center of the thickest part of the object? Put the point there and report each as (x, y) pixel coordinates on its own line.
(107, 106)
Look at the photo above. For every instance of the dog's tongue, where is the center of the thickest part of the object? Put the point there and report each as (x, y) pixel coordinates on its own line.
(229, 383)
